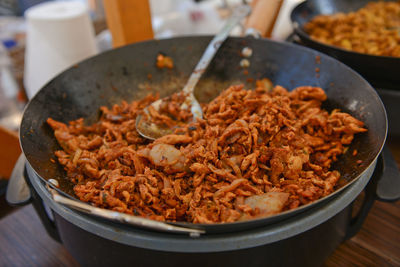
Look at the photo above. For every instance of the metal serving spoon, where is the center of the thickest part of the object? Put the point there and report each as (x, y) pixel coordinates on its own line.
(150, 130)
(122, 217)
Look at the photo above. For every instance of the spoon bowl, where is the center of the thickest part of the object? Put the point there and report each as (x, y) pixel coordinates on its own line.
(152, 130)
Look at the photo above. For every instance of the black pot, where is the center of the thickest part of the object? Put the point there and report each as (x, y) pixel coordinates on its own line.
(306, 239)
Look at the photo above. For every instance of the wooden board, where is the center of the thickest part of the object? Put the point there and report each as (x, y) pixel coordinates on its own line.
(263, 16)
(129, 21)
(10, 151)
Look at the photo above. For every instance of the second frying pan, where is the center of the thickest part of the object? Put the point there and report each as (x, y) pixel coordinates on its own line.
(381, 71)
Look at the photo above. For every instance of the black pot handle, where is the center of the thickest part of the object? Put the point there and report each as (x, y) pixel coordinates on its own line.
(369, 198)
(20, 193)
(383, 186)
(48, 223)
(389, 184)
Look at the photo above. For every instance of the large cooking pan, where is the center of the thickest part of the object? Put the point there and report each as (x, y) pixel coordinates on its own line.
(381, 71)
(123, 74)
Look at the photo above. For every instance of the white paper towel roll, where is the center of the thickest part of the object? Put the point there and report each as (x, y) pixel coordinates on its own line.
(59, 34)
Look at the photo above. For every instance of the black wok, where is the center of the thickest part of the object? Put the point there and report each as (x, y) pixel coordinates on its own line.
(123, 74)
(381, 71)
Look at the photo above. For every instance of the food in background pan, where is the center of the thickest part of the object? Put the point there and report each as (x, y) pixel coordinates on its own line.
(255, 153)
(373, 29)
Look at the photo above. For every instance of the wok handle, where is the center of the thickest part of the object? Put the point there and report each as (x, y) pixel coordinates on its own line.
(388, 189)
(369, 199)
(43, 214)
(383, 186)
(19, 193)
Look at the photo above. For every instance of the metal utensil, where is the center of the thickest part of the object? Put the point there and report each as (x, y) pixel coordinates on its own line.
(152, 131)
(122, 217)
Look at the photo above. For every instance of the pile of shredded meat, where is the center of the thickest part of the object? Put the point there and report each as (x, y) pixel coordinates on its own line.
(256, 153)
(170, 113)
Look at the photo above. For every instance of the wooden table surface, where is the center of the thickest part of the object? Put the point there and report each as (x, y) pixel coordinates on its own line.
(24, 242)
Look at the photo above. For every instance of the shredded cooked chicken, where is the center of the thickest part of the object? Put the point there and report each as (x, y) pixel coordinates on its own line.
(170, 113)
(256, 153)
(373, 29)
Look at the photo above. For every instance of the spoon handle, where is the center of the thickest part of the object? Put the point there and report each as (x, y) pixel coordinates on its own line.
(122, 217)
(238, 14)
